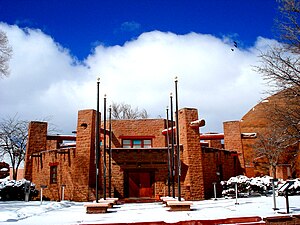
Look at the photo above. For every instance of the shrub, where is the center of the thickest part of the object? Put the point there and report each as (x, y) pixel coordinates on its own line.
(247, 186)
(15, 190)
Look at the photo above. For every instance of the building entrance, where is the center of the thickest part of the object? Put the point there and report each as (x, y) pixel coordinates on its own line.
(138, 184)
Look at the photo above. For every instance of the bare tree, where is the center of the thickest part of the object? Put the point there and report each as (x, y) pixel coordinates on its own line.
(277, 138)
(286, 114)
(280, 66)
(271, 148)
(288, 24)
(125, 111)
(281, 63)
(5, 54)
(13, 139)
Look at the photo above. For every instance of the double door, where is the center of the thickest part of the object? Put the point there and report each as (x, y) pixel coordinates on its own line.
(138, 184)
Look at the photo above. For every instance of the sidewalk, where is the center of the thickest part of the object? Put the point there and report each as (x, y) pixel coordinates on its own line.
(15, 213)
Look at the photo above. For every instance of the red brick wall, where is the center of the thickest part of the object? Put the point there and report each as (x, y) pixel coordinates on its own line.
(85, 176)
(76, 168)
(52, 144)
(37, 132)
(140, 127)
(65, 170)
(138, 160)
(193, 185)
(218, 165)
(255, 121)
(215, 144)
(233, 139)
(20, 174)
(297, 163)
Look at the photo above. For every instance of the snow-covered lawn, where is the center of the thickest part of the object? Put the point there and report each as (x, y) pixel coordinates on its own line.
(16, 212)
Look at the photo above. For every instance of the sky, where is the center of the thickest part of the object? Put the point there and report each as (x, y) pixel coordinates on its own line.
(136, 47)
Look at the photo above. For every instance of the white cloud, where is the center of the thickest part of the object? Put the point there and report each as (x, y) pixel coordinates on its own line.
(130, 26)
(46, 81)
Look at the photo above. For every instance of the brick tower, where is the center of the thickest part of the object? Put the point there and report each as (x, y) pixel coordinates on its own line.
(192, 168)
(233, 139)
(36, 141)
(84, 178)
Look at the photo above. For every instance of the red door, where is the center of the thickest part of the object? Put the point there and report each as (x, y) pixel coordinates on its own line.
(134, 184)
(139, 184)
(145, 185)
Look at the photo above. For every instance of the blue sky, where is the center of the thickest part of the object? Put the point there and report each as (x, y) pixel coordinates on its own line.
(60, 47)
(82, 24)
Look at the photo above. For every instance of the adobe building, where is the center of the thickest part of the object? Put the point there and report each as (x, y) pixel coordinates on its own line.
(242, 136)
(139, 159)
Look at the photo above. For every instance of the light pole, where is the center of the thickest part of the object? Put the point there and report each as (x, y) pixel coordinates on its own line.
(110, 153)
(236, 192)
(97, 140)
(104, 149)
(63, 192)
(274, 194)
(177, 142)
(172, 146)
(168, 143)
(215, 190)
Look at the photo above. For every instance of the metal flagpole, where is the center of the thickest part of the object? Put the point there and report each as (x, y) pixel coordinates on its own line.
(110, 154)
(172, 146)
(169, 157)
(97, 140)
(104, 150)
(177, 142)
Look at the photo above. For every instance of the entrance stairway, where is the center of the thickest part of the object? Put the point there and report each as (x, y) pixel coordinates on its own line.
(139, 200)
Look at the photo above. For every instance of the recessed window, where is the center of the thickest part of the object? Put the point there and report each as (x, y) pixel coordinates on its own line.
(126, 143)
(84, 125)
(53, 174)
(136, 143)
(147, 143)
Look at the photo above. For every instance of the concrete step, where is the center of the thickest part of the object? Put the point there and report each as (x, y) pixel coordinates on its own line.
(255, 220)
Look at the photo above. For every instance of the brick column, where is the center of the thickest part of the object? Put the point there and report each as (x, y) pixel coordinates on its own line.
(192, 156)
(36, 141)
(84, 176)
(233, 139)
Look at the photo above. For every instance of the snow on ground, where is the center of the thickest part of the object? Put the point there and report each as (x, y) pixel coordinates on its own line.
(16, 212)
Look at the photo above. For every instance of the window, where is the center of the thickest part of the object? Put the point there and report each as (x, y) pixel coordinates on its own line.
(53, 174)
(137, 143)
(126, 143)
(147, 143)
